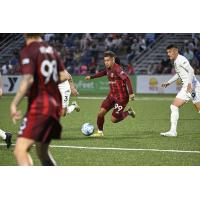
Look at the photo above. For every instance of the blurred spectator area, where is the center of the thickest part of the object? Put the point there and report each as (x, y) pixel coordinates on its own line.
(82, 53)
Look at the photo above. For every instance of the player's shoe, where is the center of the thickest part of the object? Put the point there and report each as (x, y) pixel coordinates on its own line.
(97, 134)
(77, 107)
(131, 113)
(8, 139)
(169, 134)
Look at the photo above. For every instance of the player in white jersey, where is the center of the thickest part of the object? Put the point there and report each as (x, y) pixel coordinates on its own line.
(65, 91)
(4, 135)
(190, 87)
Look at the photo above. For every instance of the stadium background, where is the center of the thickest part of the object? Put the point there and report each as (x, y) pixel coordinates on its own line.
(143, 57)
(139, 54)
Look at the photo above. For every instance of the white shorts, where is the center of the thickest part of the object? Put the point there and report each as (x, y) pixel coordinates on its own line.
(65, 92)
(184, 95)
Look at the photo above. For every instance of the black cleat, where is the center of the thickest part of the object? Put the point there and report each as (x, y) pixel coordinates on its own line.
(131, 113)
(8, 139)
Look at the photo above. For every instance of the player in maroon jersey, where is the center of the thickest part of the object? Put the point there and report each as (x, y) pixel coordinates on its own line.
(42, 70)
(120, 93)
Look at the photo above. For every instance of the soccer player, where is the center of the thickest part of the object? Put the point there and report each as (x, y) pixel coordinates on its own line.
(4, 135)
(190, 87)
(65, 92)
(118, 96)
(42, 70)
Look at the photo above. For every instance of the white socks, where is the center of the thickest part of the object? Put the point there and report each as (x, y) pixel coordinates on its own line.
(2, 134)
(174, 117)
(70, 108)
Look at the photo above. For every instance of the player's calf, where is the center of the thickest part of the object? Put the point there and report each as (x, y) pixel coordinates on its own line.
(44, 155)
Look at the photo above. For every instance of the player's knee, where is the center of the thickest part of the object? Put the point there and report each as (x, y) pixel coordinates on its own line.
(173, 107)
(101, 114)
(114, 120)
(19, 151)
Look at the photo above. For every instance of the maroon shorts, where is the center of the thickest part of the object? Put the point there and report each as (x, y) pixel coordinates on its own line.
(118, 105)
(40, 128)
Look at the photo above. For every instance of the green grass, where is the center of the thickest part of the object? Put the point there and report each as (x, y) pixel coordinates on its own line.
(140, 133)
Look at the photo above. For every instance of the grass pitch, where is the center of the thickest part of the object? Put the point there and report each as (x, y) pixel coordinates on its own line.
(131, 142)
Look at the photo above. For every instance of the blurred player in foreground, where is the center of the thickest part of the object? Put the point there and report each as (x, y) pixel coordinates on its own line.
(4, 135)
(42, 71)
(118, 96)
(190, 87)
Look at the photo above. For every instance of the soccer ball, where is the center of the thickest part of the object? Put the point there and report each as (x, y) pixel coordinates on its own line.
(87, 129)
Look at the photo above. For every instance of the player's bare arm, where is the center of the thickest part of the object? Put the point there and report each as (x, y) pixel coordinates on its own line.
(73, 88)
(173, 79)
(25, 84)
(64, 76)
(190, 76)
(97, 75)
(87, 78)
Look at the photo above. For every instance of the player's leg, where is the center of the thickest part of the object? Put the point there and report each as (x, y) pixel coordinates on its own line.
(6, 137)
(22, 148)
(197, 105)
(119, 114)
(44, 154)
(66, 109)
(174, 107)
(101, 118)
(196, 99)
(106, 105)
(65, 101)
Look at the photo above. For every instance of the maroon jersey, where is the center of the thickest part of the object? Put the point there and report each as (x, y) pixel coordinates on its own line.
(42, 61)
(119, 82)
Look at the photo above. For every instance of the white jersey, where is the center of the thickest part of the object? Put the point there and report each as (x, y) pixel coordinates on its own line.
(64, 85)
(185, 72)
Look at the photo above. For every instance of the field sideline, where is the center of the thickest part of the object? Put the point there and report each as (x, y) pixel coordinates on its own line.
(129, 143)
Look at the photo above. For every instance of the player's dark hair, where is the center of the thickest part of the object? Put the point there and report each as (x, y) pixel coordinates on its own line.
(109, 54)
(33, 35)
(117, 61)
(171, 46)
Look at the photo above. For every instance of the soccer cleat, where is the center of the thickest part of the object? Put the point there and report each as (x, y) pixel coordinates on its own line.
(77, 107)
(131, 113)
(8, 139)
(97, 134)
(169, 134)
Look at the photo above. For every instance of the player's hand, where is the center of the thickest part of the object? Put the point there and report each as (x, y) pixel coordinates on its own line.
(189, 88)
(1, 92)
(131, 97)
(74, 91)
(87, 78)
(164, 85)
(15, 115)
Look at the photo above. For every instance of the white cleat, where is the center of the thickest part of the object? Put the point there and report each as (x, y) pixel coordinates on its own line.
(169, 134)
(77, 107)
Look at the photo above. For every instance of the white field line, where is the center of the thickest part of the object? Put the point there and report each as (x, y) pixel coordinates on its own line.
(120, 149)
(137, 98)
